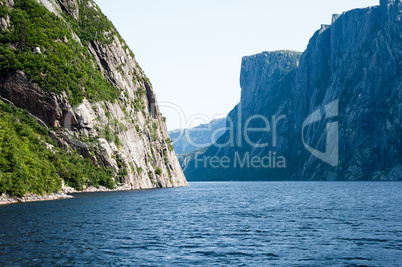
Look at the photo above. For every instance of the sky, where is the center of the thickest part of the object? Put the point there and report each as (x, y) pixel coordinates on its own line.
(191, 50)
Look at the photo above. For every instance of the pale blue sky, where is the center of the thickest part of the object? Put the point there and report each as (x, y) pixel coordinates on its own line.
(192, 50)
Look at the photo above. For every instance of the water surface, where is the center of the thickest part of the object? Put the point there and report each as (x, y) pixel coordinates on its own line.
(233, 223)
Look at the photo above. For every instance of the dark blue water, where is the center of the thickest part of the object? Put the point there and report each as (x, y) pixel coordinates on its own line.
(273, 223)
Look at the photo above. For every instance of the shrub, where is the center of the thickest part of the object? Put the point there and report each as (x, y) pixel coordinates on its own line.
(169, 143)
(139, 170)
(158, 171)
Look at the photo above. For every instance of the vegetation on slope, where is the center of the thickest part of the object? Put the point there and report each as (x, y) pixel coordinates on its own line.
(92, 25)
(63, 64)
(31, 162)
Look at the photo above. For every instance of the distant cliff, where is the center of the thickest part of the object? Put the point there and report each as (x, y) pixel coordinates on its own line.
(332, 113)
(188, 140)
(65, 63)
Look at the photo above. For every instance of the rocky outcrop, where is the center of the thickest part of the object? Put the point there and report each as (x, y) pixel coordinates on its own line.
(4, 23)
(51, 5)
(9, 3)
(70, 7)
(344, 89)
(128, 134)
(49, 107)
(5, 199)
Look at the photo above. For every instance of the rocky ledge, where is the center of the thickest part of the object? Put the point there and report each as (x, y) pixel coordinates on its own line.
(5, 199)
(64, 194)
(91, 189)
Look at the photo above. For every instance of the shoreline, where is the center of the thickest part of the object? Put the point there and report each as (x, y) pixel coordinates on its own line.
(64, 194)
(6, 200)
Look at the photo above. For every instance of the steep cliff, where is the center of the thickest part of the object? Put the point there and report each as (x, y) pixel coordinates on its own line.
(337, 108)
(65, 63)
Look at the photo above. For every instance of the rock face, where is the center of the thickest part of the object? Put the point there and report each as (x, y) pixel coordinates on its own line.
(188, 140)
(341, 101)
(133, 142)
(49, 107)
(70, 7)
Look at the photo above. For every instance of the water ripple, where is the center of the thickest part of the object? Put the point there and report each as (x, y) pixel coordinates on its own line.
(241, 224)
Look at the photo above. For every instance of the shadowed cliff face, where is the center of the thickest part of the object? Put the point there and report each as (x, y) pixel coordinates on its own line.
(351, 73)
(127, 134)
(49, 107)
(357, 61)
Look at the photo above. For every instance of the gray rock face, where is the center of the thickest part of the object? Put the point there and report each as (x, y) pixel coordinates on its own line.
(70, 7)
(4, 23)
(10, 3)
(357, 61)
(51, 5)
(360, 65)
(139, 140)
(48, 107)
(37, 50)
